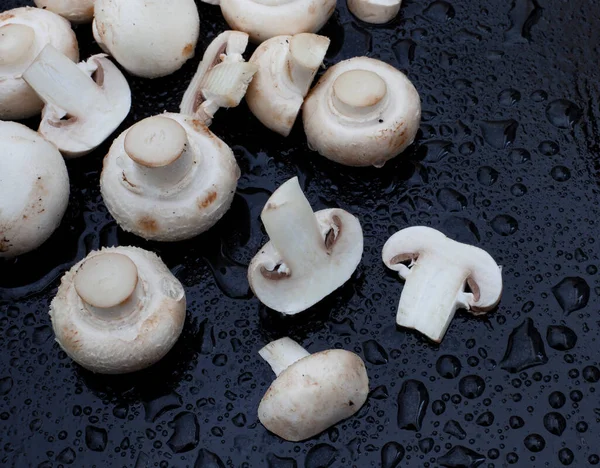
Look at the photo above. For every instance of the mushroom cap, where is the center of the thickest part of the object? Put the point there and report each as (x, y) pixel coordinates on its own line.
(345, 122)
(76, 11)
(374, 11)
(264, 19)
(183, 210)
(273, 96)
(314, 393)
(34, 189)
(149, 39)
(120, 344)
(17, 99)
(483, 275)
(295, 293)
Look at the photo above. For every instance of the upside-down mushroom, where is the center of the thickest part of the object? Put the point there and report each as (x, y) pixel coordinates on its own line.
(375, 11)
(76, 11)
(435, 280)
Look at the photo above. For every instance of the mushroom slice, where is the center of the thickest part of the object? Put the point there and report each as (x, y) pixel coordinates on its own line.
(76, 11)
(168, 178)
(287, 66)
(222, 77)
(362, 112)
(85, 103)
(309, 255)
(148, 39)
(264, 19)
(24, 32)
(118, 310)
(436, 277)
(375, 11)
(34, 189)
(312, 392)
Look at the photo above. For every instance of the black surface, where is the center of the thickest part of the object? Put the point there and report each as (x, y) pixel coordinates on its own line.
(507, 159)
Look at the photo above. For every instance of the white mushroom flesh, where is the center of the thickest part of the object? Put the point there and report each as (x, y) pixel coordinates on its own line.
(168, 178)
(287, 66)
(222, 77)
(362, 112)
(439, 270)
(24, 32)
(309, 255)
(34, 189)
(118, 310)
(76, 11)
(312, 392)
(85, 103)
(375, 11)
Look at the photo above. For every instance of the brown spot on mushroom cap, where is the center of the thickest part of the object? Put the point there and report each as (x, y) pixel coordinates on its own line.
(6, 16)
(148, 224)
(312, 9)
(4, 245)
(188, 50)
(198, 125)
(69, 339)
(207, 201)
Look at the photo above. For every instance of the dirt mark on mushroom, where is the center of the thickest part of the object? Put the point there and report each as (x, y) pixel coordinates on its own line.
(188, 50)
(148, 224)
(207, 201)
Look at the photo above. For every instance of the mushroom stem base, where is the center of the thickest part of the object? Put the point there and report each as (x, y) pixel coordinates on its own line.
(282, 353)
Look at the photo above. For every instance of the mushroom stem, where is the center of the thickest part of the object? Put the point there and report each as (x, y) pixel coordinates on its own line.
(293, 229)
(281, 354)
(357, 93)
(305, 56)
(436, 287)
(16, 44)
(61, 83)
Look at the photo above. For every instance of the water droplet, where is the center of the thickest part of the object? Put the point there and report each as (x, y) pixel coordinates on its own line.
(6, 384)
(404, 50)
(143, 461)
(41, 334)
(454, 428)
(539, 96)
(239, 420)
(374, 353)
(566, 456)
(471, 386)
(434, 151)
(560, 173)
(448, 366)
(499, 134)
(413, 399)
(563, 113)
(439, 11)
(161, 405)
(519, 156)
(525, 348)
(534, 443)
(67, 456)
(548, 148)
(572, 294)
(96, 438)
(485, 419)
(461, 457)
(280, 462)
(561, 338)
(591, 374)
(392, 454)
(518, 190)
(379, 393)
(438, 407)
(426, 445)
(462, 230)
(208, 459)
(557, 400)
(321, 456)
(509, 97)
(555, 423)
(505, 225)
(451, 200)
(487, 175)
(516, 422)
(523, 16)
(186, 434)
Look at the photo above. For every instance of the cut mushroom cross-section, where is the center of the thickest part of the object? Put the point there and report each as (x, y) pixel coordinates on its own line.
(168, 178)
(76, 11)
(24, 32)
(222, 77)
(287, 66)
(439, 270)
(362, 112)
(309, 255)
(312, 392)
(118, 310)
(85, 103)
(374, 11)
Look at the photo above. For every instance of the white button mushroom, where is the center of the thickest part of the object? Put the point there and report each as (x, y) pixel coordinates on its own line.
(374, 11)
(436, 277)
(148, 38)
(76, 11)
(34, 189)
(309, 255)
(118, 310)
(287, 66)
(264, 19)
(222, 77)
(24, 32)
(168, 178)
(85, 103)
(312, 391)
(362, 112)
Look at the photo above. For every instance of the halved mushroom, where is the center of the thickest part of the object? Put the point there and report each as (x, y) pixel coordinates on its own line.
(24, 32)
(287, 66)
(168, 178)
(222, 77)
(312, 391)
(85, 103)
(375, 11)
(76, 11)
(34, 189)
(118, 310)
(362, 112)
(309, 255)
(436, 277)
(148, 39)
(264, 19)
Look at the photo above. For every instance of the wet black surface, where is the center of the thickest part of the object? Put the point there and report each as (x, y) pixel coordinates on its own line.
(507, 159)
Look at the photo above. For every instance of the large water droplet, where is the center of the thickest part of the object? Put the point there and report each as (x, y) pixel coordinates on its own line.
(487, 175)
(6, 384)
(525, 348)
(566, 456)
(555, 423)
(505, 225)
(560, 173)
(485, 419)
(96, 438)
(454, 428)
(591, 374)
(557, 400)
(321, 456)
(524, 14)
(509, 97)
(208, 459)
(404, 50)
(280, 462)
(374, 352)
(572, 293)
(461, 230)
(561, 337)
(67, 456)
(413, 399)
(158, 406)
(439, 11)
(499, 134)
(187, 433)
(534, 443)
(392, 454)
(461, 457)
(471, 386)
(563, 113)
(448, 366)
(451, 199)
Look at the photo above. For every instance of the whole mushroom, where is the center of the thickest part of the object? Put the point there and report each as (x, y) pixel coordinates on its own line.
(287, 66)
(118, 310)
(312, 392)
(168, 178)
(85, 103)
(24, 32)
(34, 189)
(76, 11)
(309, 255)
(436, 277)
(362, 112)
(375, 11)
(148, 38)
(264, 19)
